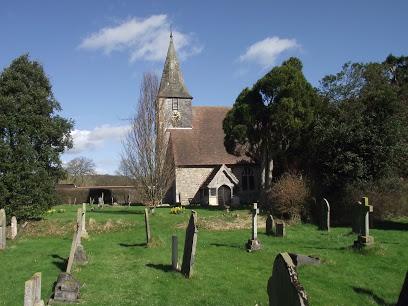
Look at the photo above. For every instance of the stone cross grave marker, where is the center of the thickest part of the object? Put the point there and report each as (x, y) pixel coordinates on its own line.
(270, 225)
(325, 215)
(364, 239)
(147, 227)
(174, 253)
(254, 244)
(190, 246)
(32, 291)
(283, 286)
(75, 241)
(13, 227)
(3, 232)
(84, 233)
(280, 229)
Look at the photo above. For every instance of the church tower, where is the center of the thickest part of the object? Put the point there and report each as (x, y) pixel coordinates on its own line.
(174, 99)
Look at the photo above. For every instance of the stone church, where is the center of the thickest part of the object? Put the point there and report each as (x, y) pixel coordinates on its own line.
(204, 173)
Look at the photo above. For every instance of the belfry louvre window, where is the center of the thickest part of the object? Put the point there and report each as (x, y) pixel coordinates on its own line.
(248, 181)
(174, 104)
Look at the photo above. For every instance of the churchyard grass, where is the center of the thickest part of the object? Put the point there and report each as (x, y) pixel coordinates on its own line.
(123, 271)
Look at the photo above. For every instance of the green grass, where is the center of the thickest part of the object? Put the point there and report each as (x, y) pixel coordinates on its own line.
(123, 271)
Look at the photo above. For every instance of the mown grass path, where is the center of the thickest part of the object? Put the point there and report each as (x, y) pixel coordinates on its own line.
(123, 271)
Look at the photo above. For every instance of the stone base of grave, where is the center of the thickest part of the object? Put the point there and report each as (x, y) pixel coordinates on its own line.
(80, 257)
(66, 289)
(253, 245)
(364, 241)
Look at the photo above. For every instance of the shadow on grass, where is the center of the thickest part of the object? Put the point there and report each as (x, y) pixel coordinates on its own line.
(126, 245)
(117, 212)
(343, 248)
(391, 225)
(61, 264)
(164, 268)
(228, 245)
(376, 298)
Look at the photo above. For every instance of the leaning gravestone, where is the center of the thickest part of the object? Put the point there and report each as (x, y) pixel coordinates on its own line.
(3, 232)
(13, 228)
(254, 244)
(147, 227)
(76, 240)
(190, 246)
(32, 291)
(403, 297)
(270, 225)
(280, 229)
(325, 215)
(364, 239)
(84, 233)
(284, 287)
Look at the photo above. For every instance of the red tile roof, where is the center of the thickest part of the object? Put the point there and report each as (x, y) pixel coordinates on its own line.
(204, 143)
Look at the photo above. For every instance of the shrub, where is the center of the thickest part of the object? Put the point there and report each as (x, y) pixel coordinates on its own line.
(288, 196)
(177, 210)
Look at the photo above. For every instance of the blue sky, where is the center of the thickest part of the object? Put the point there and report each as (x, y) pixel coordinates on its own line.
(95, 52)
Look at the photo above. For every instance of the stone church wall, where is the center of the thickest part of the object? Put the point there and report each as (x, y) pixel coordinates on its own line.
(189, 181)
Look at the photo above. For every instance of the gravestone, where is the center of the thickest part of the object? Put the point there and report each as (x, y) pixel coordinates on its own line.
(270, 225)
(147, 227)
(280, 229)
(325, 215)
(3, 232)
(254, 244)
(13, 228)
(364, 239)
(76, 240)
(174, 253)
(190, 244)
(283, 286)
(84, 233)
(403, 297)
(101, 201)
(32, 291)
(66, 288)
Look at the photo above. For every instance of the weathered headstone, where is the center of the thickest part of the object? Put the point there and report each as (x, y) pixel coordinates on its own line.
(190, 246)
(364, 239)
(13, 227)
(84, 233)
(174, 253)
(32, 291)
(3, 226)
(284, 287)
(75, 241)
(66, 288)
(403, 297)
(101, 201)
(325, 215)
(280, 229)
(254, 244)
(147, 227)
(270, 225)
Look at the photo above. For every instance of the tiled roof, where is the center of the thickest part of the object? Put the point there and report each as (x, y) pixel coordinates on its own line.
(204, 143)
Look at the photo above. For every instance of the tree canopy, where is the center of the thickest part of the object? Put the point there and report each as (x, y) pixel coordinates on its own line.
(32, 137)
(78, 168)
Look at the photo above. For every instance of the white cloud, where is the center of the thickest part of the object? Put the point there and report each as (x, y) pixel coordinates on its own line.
(265, 52)
(88, 140)
(144, 39)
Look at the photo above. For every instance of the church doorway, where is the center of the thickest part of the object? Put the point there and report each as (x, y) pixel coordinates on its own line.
(224, 195)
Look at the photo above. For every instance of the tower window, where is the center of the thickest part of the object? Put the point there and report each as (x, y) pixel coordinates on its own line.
(248, 181)
(174, 104)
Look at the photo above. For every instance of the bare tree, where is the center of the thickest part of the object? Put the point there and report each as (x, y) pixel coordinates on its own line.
(78, 168)
(145, 147)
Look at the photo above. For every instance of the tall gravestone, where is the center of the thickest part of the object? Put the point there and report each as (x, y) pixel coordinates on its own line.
(76, 240)
(364, 239)
(174, 253)
(3, 226)
(147, 227)
(325, 215)
(270, 225)
(32, 291)
(254, 244)
(84, 233)
(190, 245)
(283, 286)
(13, 227)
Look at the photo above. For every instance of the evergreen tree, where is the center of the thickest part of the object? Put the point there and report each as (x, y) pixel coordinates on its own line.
(32, 137)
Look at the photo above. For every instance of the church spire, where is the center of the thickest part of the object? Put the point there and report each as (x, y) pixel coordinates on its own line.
(172, 83)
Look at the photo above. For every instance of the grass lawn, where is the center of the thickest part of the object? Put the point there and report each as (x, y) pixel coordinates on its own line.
(123, 271)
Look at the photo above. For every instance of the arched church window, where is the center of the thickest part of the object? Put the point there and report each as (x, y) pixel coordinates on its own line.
(174, 104)
(248, 180)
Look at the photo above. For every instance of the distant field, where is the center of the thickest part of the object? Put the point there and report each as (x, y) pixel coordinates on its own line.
(123, 271)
